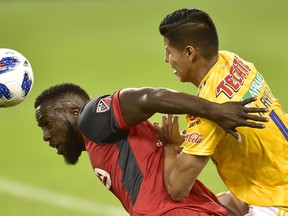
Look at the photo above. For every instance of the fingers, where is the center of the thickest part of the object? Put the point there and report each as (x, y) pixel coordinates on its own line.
(253, 125)
(156, 125)
(169, 132)
(169, 120)
(247, 101)
(169, 117)
(161, 137)
(256, 118)
(176, 122)
(252, 109)
(255, 110)
(157, 128)
(164, 120)
(236, 135)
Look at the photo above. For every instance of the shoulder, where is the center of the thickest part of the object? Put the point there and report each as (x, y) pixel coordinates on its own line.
(93, 107)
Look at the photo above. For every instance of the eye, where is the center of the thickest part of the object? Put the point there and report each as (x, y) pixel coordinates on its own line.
(45, 124)
(48, 125)
(167, 52)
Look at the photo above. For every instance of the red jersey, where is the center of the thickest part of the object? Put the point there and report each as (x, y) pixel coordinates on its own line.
(129, 162)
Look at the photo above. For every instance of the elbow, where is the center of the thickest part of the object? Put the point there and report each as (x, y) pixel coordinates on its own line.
(177, 191)
(177, 196)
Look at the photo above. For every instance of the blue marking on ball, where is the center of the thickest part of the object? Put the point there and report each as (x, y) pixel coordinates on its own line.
(5, 92)
(26, 84)
(8, 64)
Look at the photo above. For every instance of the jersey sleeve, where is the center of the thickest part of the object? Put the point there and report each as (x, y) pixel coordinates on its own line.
(202, 136)
(101, 121)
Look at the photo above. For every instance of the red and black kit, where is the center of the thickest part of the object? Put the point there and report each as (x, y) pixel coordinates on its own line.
(129, 162)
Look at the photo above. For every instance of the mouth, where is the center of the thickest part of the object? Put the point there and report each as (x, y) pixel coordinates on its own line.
(58, 148)
(176, 73)
(174, 70)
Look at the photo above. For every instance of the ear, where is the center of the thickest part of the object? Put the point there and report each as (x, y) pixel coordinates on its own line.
(190, 52)
(75, 112)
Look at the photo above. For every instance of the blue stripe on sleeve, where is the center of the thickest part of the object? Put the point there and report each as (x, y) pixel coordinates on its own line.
(279, 123)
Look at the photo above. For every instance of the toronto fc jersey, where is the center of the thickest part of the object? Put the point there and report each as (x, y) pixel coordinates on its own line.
(255, 170)
(129, 162)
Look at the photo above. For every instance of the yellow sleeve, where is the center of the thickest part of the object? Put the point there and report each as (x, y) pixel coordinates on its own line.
(202, 136)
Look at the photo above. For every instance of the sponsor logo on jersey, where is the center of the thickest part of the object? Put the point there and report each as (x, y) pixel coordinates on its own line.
(194, 137)
(194, 123)
(192, 118)
(234, 80)
(103, 105)
(255, 86)
(254, 91)
(104, 177)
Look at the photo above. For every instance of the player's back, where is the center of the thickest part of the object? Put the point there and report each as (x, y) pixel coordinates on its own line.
(129, 162)
(258, 166)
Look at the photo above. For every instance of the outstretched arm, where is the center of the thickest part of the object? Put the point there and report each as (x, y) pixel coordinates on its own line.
(138, 104)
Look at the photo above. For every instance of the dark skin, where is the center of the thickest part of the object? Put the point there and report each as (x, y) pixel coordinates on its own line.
(59, 129)
(145, 102)
(57, 118)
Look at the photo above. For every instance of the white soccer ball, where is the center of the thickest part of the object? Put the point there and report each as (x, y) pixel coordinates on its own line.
(16, 77)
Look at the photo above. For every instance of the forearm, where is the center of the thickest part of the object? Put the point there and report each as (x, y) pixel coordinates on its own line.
(180, 172)
(170, 156)
(173, 102)
(170, 174)
(138, 104)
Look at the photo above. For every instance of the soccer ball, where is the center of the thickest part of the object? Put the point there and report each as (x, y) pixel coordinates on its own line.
(16, 77)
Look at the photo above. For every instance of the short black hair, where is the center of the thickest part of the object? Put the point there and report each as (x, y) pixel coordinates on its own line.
(60, 90)
(191, 26)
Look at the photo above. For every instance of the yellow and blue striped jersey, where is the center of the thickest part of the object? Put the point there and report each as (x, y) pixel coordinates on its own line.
(256, 170)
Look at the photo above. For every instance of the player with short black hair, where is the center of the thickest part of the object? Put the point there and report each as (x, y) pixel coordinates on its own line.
(255, 171)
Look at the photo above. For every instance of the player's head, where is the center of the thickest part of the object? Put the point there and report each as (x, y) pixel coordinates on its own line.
(191, 43)
(191, 26)
(57, 109)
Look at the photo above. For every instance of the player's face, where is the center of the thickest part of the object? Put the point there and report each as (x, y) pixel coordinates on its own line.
(60, 132)
(179, 61)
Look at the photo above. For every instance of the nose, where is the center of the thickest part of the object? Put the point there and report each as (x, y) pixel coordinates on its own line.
(46, 135)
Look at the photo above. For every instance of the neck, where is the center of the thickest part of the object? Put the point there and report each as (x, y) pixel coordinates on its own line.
(203, 68)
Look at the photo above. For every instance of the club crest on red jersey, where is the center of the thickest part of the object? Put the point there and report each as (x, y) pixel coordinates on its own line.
(104, 177)
(103, 105)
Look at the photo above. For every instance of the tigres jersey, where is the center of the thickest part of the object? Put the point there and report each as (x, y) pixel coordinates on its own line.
(256, 170)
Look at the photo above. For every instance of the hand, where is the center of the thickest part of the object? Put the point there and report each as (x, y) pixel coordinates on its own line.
(230, 115)
(169, 132)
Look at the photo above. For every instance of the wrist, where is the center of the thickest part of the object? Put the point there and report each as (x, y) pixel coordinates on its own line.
(212, 112)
